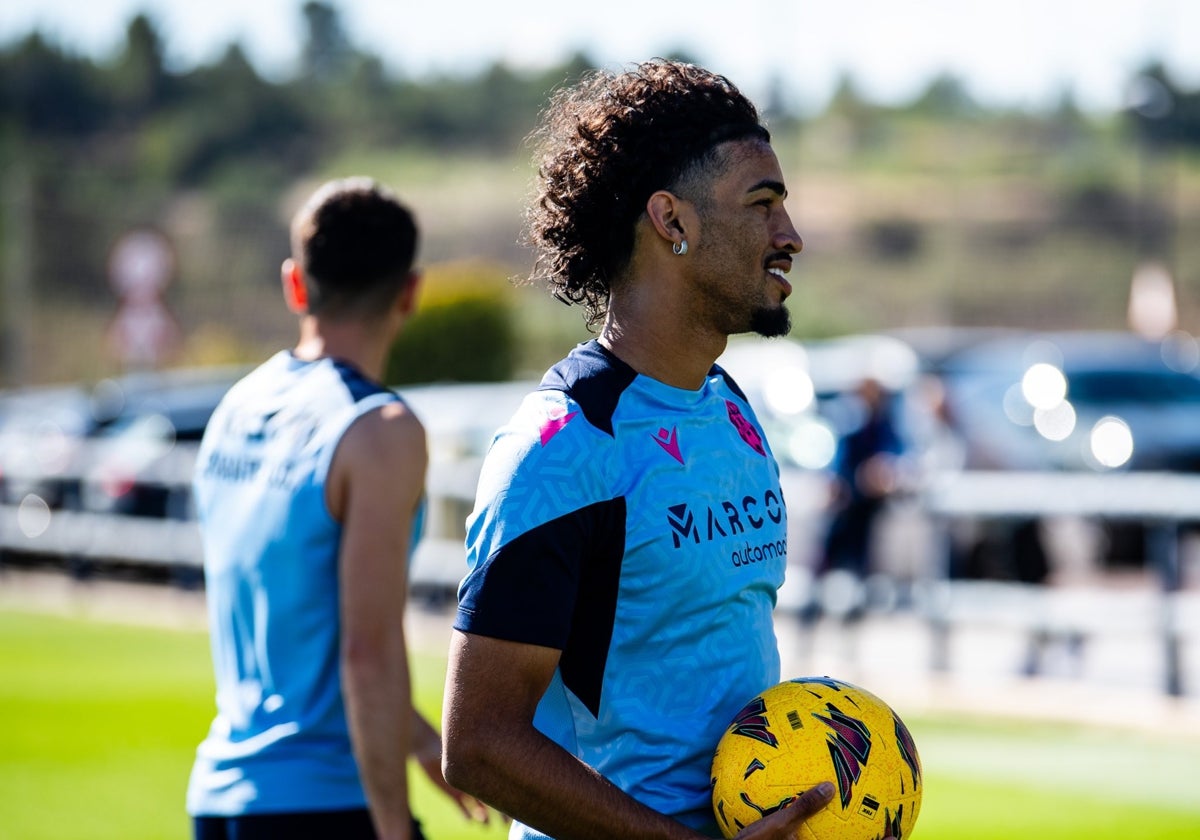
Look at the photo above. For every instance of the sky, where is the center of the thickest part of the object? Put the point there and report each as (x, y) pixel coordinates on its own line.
(1020, 53)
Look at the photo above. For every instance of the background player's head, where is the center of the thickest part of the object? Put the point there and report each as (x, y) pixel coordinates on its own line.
(604, 146)
(353, 246)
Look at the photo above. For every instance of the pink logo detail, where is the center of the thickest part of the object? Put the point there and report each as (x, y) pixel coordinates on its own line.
(554, 425)
(745, 428)
(669, 441)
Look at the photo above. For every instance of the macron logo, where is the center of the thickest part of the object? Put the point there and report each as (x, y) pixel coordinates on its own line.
(554, 425)
(669, 441)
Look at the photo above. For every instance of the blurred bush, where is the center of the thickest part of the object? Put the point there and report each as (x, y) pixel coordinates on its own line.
(463, 329)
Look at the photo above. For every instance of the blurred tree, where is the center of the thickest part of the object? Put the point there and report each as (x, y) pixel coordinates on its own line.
(1066, 107)
(1162, 114)
(229, 113)
(138, 80)
(777, 108)
(1163, 118)
(492, 111)
(45, 92)
(847, 101)
(1064, 125)
(232, 71)
(864, 122)
(212, 148)
(945, 97)
(327, 55)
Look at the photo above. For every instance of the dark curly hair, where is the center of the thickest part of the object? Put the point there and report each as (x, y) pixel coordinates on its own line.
(603, 147)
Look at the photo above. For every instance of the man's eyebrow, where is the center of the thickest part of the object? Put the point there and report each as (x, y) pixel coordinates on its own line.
(776, 187)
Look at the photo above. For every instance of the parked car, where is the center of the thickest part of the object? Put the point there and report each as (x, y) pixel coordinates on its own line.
(53, 439)
(1083, 401)
(139, 463)
(1088, 400)
(40, 431)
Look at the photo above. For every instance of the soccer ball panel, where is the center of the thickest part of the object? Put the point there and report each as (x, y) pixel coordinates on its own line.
(802, 732)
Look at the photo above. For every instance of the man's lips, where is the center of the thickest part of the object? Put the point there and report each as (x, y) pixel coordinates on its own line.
(780, 274)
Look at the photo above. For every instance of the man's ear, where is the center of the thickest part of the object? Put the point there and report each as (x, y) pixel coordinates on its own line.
(670, 215)
(407, 299)
(294, 292)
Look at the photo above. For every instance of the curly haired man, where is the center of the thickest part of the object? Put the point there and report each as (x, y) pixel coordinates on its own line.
(629, 532)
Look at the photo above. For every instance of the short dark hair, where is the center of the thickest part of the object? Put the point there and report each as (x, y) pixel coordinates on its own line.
(355, 242)
(604, 146)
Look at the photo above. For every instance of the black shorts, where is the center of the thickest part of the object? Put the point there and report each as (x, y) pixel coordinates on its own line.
(301, 825)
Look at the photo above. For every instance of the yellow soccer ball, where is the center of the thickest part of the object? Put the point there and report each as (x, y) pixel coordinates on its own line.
(805, 731)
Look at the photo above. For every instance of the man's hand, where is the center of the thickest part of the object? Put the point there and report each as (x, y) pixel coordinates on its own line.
(785, 822)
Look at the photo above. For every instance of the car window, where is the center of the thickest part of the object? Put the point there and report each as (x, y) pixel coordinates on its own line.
(1144, 387)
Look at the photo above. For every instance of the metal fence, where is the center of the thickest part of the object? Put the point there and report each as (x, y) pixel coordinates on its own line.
(1167, 504)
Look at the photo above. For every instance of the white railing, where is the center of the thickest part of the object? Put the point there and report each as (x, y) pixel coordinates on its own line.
(1162, 501)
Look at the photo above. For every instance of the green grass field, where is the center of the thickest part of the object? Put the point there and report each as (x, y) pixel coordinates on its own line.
(98, 723)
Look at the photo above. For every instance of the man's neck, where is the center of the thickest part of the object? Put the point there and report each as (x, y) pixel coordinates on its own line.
(661, 348)
(345, 341)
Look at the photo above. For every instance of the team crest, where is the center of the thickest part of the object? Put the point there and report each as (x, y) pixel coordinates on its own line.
(745, 427)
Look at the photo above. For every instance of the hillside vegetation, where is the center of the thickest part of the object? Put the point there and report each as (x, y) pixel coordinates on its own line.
(938, 211)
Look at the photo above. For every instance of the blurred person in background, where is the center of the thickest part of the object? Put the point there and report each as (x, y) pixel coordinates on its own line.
(309, 489)
(866, 473)
(629, 534)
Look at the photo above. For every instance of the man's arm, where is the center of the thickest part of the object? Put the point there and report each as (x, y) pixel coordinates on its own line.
(427, 750)
(376, 481)
(491, 749)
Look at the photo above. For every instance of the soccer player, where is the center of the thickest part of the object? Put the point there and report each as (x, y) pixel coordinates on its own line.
(309, 487)
(629, 533)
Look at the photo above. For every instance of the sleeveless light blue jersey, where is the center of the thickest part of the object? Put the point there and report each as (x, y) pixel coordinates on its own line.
(640, 529)
(279, 741)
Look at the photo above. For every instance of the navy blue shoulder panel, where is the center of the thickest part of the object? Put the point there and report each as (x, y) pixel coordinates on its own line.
(717, 370)
(555, 586)
(357, 383)
(594, 378)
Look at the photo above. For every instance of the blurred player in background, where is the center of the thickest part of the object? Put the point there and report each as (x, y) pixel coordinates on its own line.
(867, 473)
(629, 533)
(309, 488)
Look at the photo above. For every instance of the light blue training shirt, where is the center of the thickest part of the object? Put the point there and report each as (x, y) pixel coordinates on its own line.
(279, 741)
(640, 529)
